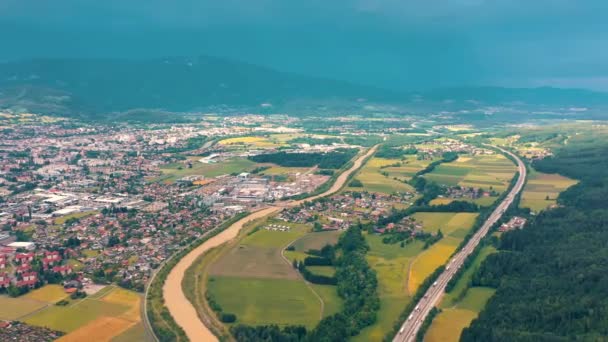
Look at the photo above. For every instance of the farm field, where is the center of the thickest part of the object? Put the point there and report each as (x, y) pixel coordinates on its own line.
(104, 315)
(255, 141)
(317, 240)
(448, 325)
(542, 189)
(482, 171)
(451, 224)
(454, 226)
(61, 220)
(408, 168)
(172, 172)
(374, 181)
(50, 293)
(252, 279)
(450, 299)
(258, 301)
(14, 308)
(258, 255)
(391, 263)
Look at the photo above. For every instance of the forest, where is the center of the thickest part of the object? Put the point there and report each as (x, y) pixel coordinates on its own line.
(551, 277)
(330, 160)
(356, 284)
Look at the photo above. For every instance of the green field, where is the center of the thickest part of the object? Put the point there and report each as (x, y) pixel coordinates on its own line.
(266, 301)
(332, 303)
(448, 325)
(391, 263)
(451, 224)
(63, 219)
(374, 181)
(407, 168)
(135, 333)
(14, 308)
(173, 172)
(482, 171)
(450, 299)
(542, 189)
(49, 293)
(69, 318)
(317, 240)
(258, 255)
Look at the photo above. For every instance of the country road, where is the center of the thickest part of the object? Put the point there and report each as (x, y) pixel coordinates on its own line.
(179, 306)
(409, 328)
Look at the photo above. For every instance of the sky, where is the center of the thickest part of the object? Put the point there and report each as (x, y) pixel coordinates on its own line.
(397, 44)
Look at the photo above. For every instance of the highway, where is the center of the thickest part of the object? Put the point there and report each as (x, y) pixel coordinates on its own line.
(409, 328)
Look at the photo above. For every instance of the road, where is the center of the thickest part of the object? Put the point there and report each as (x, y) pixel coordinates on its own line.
(409, 328)
(183, 312)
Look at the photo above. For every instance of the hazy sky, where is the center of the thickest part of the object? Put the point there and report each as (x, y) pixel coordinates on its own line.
(406, 44)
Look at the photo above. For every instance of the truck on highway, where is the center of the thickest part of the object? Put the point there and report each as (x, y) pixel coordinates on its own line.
(401, 330)
(435, 284)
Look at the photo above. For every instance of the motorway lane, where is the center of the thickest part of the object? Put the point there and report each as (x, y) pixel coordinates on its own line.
(410, 327)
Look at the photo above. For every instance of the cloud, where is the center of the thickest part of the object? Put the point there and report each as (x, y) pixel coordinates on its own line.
(392, 43)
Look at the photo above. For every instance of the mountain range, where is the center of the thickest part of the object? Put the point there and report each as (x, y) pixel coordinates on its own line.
(98, 88)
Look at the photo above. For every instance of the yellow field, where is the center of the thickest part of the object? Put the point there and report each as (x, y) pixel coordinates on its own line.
(542, 189)
(14, 308)
(449, 223)
(441, 200)
(374, 181)
(49, 293)
(61, 220)
(446, 327)
(262, 142)
(428, 261)
(102, 329)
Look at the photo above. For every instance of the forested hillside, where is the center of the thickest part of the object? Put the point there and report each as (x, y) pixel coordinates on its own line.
(552, 276)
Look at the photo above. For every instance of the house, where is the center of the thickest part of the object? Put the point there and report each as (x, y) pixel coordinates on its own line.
(29, 279)
(5, 280)
(24, 257)
(63, 270)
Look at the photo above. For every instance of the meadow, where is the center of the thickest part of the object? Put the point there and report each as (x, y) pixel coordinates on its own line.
(104, 315)
(391, 263)
(542, 189)
(451, 224)
(448, 325)
(257, 301)
(173, 172)
(254, 141)
(253, 280)
(374, 181)
(482, 171)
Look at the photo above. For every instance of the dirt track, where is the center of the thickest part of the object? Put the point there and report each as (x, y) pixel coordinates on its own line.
(179, 306)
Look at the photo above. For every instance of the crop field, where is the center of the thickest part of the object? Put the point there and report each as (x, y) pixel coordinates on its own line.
(374, 181)
(266, 301)
(134, 333)
(428, 261)
(483, 171)
(448, 325)
(257, 141)
(257, 256)
(171, 173)
(452, 298)
(331, 301)
(451, 224)
(407, 168)
(391, 263)
(63, 219)
(14, 308)
(317, 240)
(542, 189)
(49, 293)
(104, 315)
(72, 317)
